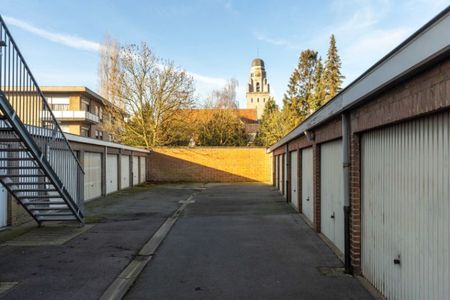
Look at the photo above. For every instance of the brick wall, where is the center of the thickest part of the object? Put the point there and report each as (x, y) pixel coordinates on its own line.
(209, 164)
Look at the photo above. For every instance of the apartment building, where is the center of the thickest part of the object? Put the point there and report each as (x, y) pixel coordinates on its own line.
(78, 109)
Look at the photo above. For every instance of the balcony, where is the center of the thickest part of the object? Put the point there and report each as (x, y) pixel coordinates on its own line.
(74, 115)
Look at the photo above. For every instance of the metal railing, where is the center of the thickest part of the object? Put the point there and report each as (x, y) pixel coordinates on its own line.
(19, 88)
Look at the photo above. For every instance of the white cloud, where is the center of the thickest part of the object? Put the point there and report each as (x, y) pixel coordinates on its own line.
(76, 42)
(60, 38)
(276, 41)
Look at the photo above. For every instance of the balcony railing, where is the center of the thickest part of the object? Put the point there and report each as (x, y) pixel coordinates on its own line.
(74, 115)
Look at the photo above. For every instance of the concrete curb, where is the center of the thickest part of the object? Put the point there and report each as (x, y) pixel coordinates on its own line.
(120, 286)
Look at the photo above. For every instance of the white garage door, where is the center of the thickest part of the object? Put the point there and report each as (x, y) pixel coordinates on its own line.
(294, 179)
(125, 171)
(307, 184)
(284, 174)
(406, 207)
(111, 173)
(93, 175)
(142, 170)
(331, 193)
(135, 170)
(3, 206)
(280, 172)
(276, 171)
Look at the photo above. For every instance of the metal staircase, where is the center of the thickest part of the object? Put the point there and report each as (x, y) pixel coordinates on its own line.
(37, 165)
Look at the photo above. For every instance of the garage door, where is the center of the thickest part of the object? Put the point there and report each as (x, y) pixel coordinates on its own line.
(135, 173)
(280, 172)
(284, 175)
(276, 171)
(111, 173)
(93, 175)
(307, 184)
(125, 171)
(331, 193)
(3, 206)
(142, 169)
(294, 179)
(405, 209)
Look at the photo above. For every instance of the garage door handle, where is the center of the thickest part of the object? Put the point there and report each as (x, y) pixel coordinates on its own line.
(307, 199)
(332, 216)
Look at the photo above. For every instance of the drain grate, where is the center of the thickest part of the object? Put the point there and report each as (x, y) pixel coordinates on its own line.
(48, 236)
(6, 286)
(332, 271)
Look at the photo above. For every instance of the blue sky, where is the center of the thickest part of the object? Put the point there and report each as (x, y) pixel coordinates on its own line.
(213, 40)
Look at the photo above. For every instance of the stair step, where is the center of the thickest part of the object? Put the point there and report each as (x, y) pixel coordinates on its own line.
(28, 183)
(47, 208)
(38, 197)
(56, 218)
(21, 168)
(9, 140)
(34, 190)
(6, 129)
(23, 175)
(17, 159)
(13, 150)
(43, 203)
(55, 214)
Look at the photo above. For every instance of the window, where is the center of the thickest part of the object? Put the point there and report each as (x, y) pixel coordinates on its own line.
(264, 100)
(84, 131)
(257, 100)
(59, 103)
(101, 113)
(257, 87)
(252, 100)
(85, 105)
(99, 135)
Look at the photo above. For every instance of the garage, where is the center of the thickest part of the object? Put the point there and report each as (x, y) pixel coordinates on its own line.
(285, 173)
(112, 173)
(294, 179)
(276, 172)
(405, 208)
(3, 207)
(125, 171)
(142, 170)
(331, 193)
(135, 172)
(93, 175)
(307, 184)
(280, 173)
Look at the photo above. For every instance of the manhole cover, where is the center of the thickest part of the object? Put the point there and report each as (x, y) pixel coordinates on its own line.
(332, 271)
(48, 236)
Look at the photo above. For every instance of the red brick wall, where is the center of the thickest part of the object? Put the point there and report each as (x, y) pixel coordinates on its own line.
(209, 164)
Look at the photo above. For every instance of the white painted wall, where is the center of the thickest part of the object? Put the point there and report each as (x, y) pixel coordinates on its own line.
(93, 175)
(406, 207)
(294, 179)
(3, 207)
(307, 184)
(142, 170)
(112, 162)
(125, 171)
(331, 193)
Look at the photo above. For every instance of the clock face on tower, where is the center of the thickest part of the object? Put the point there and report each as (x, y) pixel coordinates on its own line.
(257, 74)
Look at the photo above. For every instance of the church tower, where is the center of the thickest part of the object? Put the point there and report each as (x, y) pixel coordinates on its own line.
(258, 90)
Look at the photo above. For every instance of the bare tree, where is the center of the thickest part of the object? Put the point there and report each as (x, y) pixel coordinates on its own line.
(224, 98)
(151, 92)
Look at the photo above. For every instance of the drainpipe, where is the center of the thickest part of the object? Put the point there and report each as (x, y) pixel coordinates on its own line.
(346, 173)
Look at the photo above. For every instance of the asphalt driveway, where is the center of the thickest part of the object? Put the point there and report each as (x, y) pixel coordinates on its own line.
(242, 241)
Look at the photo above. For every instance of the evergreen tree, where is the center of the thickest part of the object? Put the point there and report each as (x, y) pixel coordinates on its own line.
(299, 99)
(332, 73)
(319, 86)
(271, 125)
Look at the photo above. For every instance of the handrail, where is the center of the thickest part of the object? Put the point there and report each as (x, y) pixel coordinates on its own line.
(43, 98)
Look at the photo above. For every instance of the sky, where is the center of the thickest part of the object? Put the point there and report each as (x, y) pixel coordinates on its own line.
(213, 40)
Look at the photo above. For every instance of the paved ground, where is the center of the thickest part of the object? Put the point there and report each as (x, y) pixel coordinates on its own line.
(84, 267)
(243, 242)
(237, 241)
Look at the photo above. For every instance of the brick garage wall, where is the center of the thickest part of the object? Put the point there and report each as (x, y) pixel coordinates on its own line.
(209, 164)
